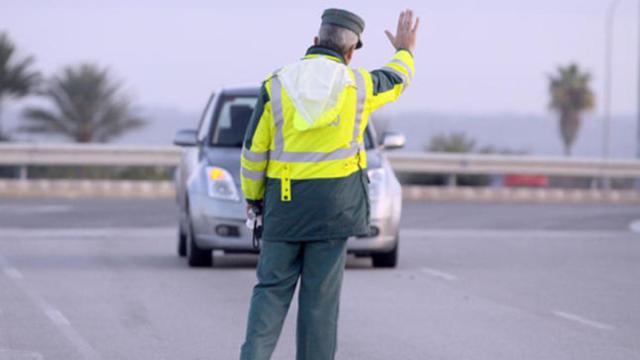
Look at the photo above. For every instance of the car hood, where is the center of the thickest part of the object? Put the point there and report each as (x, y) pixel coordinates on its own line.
(229, 159)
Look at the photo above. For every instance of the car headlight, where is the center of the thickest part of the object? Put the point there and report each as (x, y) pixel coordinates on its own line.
(220, 184)
(377, 183)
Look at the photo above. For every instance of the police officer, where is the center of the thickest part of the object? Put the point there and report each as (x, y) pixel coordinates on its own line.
(303, 168)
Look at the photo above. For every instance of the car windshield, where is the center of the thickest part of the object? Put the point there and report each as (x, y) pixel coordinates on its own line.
(232, 118)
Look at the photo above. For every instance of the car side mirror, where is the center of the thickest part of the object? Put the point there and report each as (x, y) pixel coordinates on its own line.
(187, 137)
(393, 140)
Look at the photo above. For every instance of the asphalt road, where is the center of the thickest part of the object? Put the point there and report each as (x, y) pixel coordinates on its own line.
(99, 279)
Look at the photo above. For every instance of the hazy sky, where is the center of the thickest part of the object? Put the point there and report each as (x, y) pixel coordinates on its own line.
(472, 56)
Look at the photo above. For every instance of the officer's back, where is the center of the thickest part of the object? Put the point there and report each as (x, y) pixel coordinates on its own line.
(303, 168)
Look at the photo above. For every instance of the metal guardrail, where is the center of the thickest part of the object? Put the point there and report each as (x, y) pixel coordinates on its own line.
(24, 155)
(510, 164)
(89, 154)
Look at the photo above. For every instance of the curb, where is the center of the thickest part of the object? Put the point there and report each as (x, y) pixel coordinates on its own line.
(145, 189)
(137, 189)
(524, 195)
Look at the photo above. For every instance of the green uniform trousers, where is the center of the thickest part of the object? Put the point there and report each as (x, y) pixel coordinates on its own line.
(320, 266)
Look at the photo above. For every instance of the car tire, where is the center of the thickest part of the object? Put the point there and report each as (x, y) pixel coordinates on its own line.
(196, 257)
(386, 260)
(182, 242)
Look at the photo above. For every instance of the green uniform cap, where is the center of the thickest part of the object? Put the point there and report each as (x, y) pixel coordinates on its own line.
(345, 19)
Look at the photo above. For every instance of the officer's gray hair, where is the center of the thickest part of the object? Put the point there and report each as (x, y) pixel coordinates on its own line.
(337, 38)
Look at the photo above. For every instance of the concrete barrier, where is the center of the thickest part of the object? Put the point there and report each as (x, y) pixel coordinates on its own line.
(135, 189)
(522, 195)
(164, 190)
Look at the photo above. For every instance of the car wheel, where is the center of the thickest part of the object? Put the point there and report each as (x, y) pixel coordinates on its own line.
(386, 260)
(182, 242)
(196, 257)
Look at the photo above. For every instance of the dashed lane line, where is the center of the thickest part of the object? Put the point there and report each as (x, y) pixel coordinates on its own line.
(86, 233)
(144, 232)
(11, 354)
(515, 233)
(12, 273)
(37, 209)
(55, 316)
(439, 274)
(583, 321)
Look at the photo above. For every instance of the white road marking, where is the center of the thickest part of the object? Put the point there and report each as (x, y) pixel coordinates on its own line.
(56, 317)
(42, 209)
(439, 274)
(86, 233)
(12, 273)
(582, 320)
(147, 232)
(495, 233)
(635, 226)
(10, 354)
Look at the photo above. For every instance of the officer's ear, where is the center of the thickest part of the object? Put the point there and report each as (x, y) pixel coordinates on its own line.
(349, 55)
(315, 41)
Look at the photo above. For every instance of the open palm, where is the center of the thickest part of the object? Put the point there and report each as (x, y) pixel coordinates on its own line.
(405, 37)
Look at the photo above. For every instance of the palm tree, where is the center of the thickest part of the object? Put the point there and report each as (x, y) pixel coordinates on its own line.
(17, 79)
(571, 96)
(89, 106)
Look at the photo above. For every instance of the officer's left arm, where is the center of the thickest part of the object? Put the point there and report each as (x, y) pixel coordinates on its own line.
(255, 150)
(387, 83)
(391, 80)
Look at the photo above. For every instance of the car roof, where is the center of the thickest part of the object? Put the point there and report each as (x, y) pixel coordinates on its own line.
(241, 91)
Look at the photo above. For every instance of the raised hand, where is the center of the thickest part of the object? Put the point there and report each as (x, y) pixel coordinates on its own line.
(405, 37)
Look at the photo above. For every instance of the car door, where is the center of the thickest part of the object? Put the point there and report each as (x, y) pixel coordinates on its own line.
(191, 155)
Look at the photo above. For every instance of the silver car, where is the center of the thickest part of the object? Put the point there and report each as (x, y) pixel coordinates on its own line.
(211, 205)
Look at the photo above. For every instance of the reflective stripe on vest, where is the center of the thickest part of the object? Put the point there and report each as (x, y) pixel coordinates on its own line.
(405, 81)
(254, 156)
(361, 88)
(404, 65)
(252, 174)
(278, 118)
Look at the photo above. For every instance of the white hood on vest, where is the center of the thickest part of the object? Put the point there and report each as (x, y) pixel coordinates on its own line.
(316, 88)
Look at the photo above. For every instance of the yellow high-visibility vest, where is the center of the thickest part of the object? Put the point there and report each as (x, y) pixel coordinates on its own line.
(302, 136)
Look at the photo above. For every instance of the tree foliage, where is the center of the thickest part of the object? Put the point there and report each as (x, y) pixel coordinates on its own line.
(88, 106)
(461, 143)
(17, 77)
(571, 96)
(457, 142)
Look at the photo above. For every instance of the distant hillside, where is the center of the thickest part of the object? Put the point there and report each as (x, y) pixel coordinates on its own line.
(535, 134)
(163, 124)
